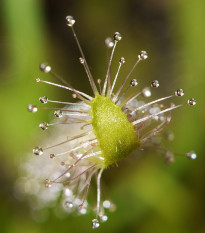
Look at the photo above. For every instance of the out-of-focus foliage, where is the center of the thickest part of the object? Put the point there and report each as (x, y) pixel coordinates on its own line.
(150, 195)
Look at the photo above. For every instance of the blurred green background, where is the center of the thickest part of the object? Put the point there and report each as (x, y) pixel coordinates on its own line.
(151, 196)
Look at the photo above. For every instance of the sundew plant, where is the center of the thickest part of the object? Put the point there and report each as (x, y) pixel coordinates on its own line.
(92, 134)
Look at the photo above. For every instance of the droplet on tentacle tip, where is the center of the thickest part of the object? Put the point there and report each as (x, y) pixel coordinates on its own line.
(44, 67)
(133, 82)
(109, 42)
(155, 84)
(58, 113)
(169, 157)
(122, 60)
(143, 55)
(43, 99)
(82, 211)
(192, 101)
(67, 175)
(74, 96)
(52, 156)
(48, 183)
(109, 205)
(117, 36)
(146, 92)
(179, 92)
(106, 204)
(82, 60)
(70, 20)
(62, 163)
(103, 218)
(43, 125)
(68, 204)
(38, 150)
(32, 108)
(95, 223)
(191, 155)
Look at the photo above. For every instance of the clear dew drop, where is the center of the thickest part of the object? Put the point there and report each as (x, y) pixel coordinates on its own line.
(37, 80)
(44, 67)
(192, 101)
(179, 92)
(68, 192)
(82, 211)
(133, 82)
(43, 125)
(48, 183)
(146, 92)
(68, 204)
(106, 204)
(143, 55)
(52, 156)
(74, 96)
(109, 42)
(82, 61)
(191, 155)
(155, 84)
(32, 108)
(38, 150)
(67, 175)
(70, 20)
(43, 99)
(117, 36)
(103, 218)
(95, 223)
(58, 113)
